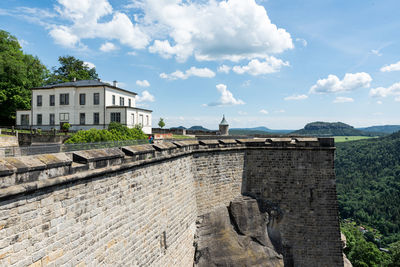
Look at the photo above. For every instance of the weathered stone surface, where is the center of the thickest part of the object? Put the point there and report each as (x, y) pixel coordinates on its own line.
(252, 141)
(185, 143)
(164, 146)
(138, 149)
(93, 155)
(235, 238)
(55, 160)
(210, 143)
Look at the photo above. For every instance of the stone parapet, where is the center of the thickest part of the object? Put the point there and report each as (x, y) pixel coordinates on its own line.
(31, 169)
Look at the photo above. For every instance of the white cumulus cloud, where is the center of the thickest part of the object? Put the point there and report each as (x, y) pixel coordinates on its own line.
(224, 69)
(226, 98)
(333, 84)
(391, 67)
(87, 21)
(89, 64)
(63, 36)
(205, 29)
(393, 90)
(193, 71)
(342, 99)
(145, 97)
(256, 67)
(143, 83)
(107, 47)
(263, 111)
(296, 97)
(211, 30)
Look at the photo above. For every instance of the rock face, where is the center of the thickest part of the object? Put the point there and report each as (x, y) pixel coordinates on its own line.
(346, 261)
(235, 236)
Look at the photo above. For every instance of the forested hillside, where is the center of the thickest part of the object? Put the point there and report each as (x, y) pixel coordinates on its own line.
(320, 128)
(368, 183)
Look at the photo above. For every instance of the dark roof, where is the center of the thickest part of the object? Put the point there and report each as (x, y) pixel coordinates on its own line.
(82, 83)
(223, 122)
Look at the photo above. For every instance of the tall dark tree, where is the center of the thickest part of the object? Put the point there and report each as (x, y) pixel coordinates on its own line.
(71, 68)
(18, 73)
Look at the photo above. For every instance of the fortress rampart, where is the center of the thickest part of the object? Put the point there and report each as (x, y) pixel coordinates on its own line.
(137, 206)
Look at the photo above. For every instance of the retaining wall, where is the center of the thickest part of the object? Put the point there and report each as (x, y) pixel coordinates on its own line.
(137, 206)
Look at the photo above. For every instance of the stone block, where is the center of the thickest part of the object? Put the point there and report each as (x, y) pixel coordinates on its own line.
(6, 168)
(86, 156)
(55, 160)
(164, 146)
(138, 149)
(25, 163)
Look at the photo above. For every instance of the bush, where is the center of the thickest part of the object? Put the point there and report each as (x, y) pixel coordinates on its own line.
(66, 126)
(115, 132)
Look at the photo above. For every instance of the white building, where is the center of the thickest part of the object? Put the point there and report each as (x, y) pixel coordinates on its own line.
(83, 104)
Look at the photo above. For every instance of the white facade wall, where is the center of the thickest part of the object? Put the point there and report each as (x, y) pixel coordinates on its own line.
(110, 92)
(72, 110)
(130, 116)
(23, 112)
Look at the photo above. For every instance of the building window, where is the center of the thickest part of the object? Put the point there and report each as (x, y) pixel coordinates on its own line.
(96, 118)
(39, 100)
(96, 99)
(116, 116)
(82, 118)
(129, 102)
(52, 119)
(113, 100)
(133, 119)
(24, 119)
(64, 117)
(122, 101)
(141, 120)
(39, 119)
(64, 99)
(82, 99)
(147, 120)
(52, 100)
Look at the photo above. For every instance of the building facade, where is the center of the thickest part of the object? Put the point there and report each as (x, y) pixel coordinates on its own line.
(84, 105)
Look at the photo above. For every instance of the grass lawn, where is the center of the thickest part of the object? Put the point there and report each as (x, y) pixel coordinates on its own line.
(176, 136)
(339, 139)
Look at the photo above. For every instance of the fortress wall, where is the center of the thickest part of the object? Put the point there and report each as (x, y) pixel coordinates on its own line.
(144, 216)
(138, 205)
(301, 184)
(217, 178)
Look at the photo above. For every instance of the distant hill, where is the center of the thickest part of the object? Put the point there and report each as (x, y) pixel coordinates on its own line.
(381, 129)
(179, 127)
(199, 128)
(320, 128)
(256, 130)
(368, 183)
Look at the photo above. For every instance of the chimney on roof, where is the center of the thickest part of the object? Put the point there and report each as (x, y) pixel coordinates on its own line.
(115, 83)
(74, 79)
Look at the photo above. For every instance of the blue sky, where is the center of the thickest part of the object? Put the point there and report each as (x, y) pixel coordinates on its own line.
(279, 64)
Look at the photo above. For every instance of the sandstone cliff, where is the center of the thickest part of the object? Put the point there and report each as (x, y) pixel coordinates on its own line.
(235, 236)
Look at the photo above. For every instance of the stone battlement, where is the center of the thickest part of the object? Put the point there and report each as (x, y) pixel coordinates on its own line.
(137, 205)
(27, 173)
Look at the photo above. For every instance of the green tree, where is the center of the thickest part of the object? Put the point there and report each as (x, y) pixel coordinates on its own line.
(161, 123)
(395, 249)
(71, 68)
(18, 73)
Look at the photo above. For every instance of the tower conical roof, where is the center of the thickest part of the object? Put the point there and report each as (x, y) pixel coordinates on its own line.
(223, 122)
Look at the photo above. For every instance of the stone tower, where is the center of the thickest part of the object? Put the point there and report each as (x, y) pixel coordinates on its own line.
(224, 127)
